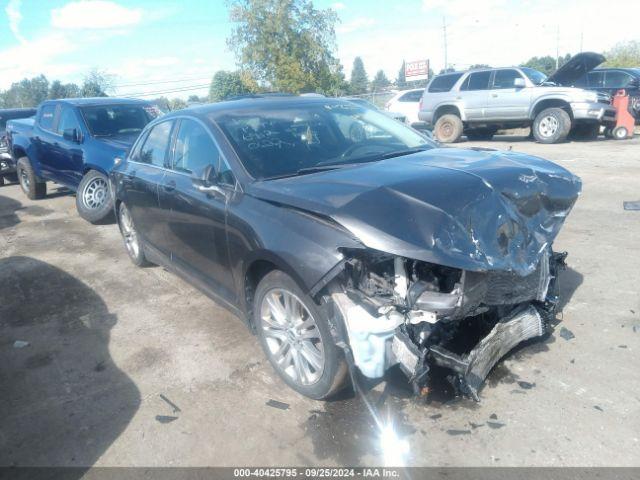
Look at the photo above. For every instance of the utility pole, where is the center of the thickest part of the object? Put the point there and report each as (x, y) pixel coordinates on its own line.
(558, 47)
(444, 31)
(581, 39)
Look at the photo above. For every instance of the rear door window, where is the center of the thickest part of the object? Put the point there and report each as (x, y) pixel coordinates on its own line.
(444, 83)
(47, 115)
(477, 81)
(505, 79)
(154, 149)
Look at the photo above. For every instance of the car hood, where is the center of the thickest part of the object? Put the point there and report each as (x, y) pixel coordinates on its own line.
(119, 142)
(474, 210)
(575, 68)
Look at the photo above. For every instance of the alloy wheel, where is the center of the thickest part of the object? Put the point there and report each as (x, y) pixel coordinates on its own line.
(95, 193)
(548, 126)
(129, 232)
(292, 337)
(24, 180)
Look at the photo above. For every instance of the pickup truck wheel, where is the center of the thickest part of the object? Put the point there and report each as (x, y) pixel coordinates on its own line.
(448, 128)
(552, 125)
(132, 240)
(31, 186)
(1, 180)
(93, 199)
(295, 336)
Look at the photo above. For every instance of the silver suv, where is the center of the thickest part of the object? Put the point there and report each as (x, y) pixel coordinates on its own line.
(479, 102)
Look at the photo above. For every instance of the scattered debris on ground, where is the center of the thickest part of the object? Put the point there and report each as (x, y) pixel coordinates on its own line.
(176, 408)
(20, 344)
(634, 205)
(165, 418)
(276, 404)
(566, 334)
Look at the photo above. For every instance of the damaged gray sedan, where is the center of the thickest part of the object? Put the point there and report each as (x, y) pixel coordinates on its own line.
(347, 240)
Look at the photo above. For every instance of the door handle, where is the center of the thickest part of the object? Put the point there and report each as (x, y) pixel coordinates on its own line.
(169, 186)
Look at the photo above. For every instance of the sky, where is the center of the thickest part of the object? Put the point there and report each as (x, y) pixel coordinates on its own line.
(155, 47)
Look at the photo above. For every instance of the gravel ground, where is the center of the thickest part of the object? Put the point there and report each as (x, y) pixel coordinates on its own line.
(134, 367)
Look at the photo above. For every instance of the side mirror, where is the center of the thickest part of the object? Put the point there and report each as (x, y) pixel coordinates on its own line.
(519, 83)
(71, 134)
(208, 181)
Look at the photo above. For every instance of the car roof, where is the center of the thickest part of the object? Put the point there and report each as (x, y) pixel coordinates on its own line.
(249, 102)
(635, 71)
(98, 101)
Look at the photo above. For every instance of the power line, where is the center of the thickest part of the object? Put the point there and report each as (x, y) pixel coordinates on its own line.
(175, 90)
(160, 82)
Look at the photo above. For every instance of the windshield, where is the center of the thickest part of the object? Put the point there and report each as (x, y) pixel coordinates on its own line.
(534, 75)
(287, 140)
(109, 120)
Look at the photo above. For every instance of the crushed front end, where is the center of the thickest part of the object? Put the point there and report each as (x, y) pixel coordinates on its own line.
(421, 315)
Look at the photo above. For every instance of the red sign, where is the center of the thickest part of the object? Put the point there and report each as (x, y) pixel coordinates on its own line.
(417, 70)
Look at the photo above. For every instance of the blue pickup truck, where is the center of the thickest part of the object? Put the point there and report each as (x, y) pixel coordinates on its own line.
(74, 142)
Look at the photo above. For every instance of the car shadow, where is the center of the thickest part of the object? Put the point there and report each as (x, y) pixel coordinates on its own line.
(8, 208)
(64, 400)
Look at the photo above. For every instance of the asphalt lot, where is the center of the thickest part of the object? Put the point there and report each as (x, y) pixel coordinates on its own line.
(112, 347)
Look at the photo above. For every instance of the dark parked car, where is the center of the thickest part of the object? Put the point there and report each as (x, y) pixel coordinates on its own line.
(7, 168)
(74, 142)
(346, 239)
(610, 80)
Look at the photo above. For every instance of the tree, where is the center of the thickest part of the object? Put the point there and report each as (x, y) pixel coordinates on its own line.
(402, 79)
(96, 84)
(546, 64)
(226, 84)
(286, 45)
(380, 81)
(60, 90)
(27, 92)
(624, 54)
(177, 104)
(359, 80)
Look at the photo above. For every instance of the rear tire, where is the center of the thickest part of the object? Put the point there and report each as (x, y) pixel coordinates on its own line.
(93, 198)
(1, 180)
(29, 182)
(132, 241)
(448, 128)
(552, 125)
(290, 337)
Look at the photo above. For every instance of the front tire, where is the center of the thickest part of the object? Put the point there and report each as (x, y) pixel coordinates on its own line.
(552, 125)
(132, 241)
(448, 128)
(93, 198)
(29, 182)
(294, 334)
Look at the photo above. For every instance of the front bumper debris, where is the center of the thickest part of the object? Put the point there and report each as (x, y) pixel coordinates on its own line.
(473, 368)
(465, 329)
